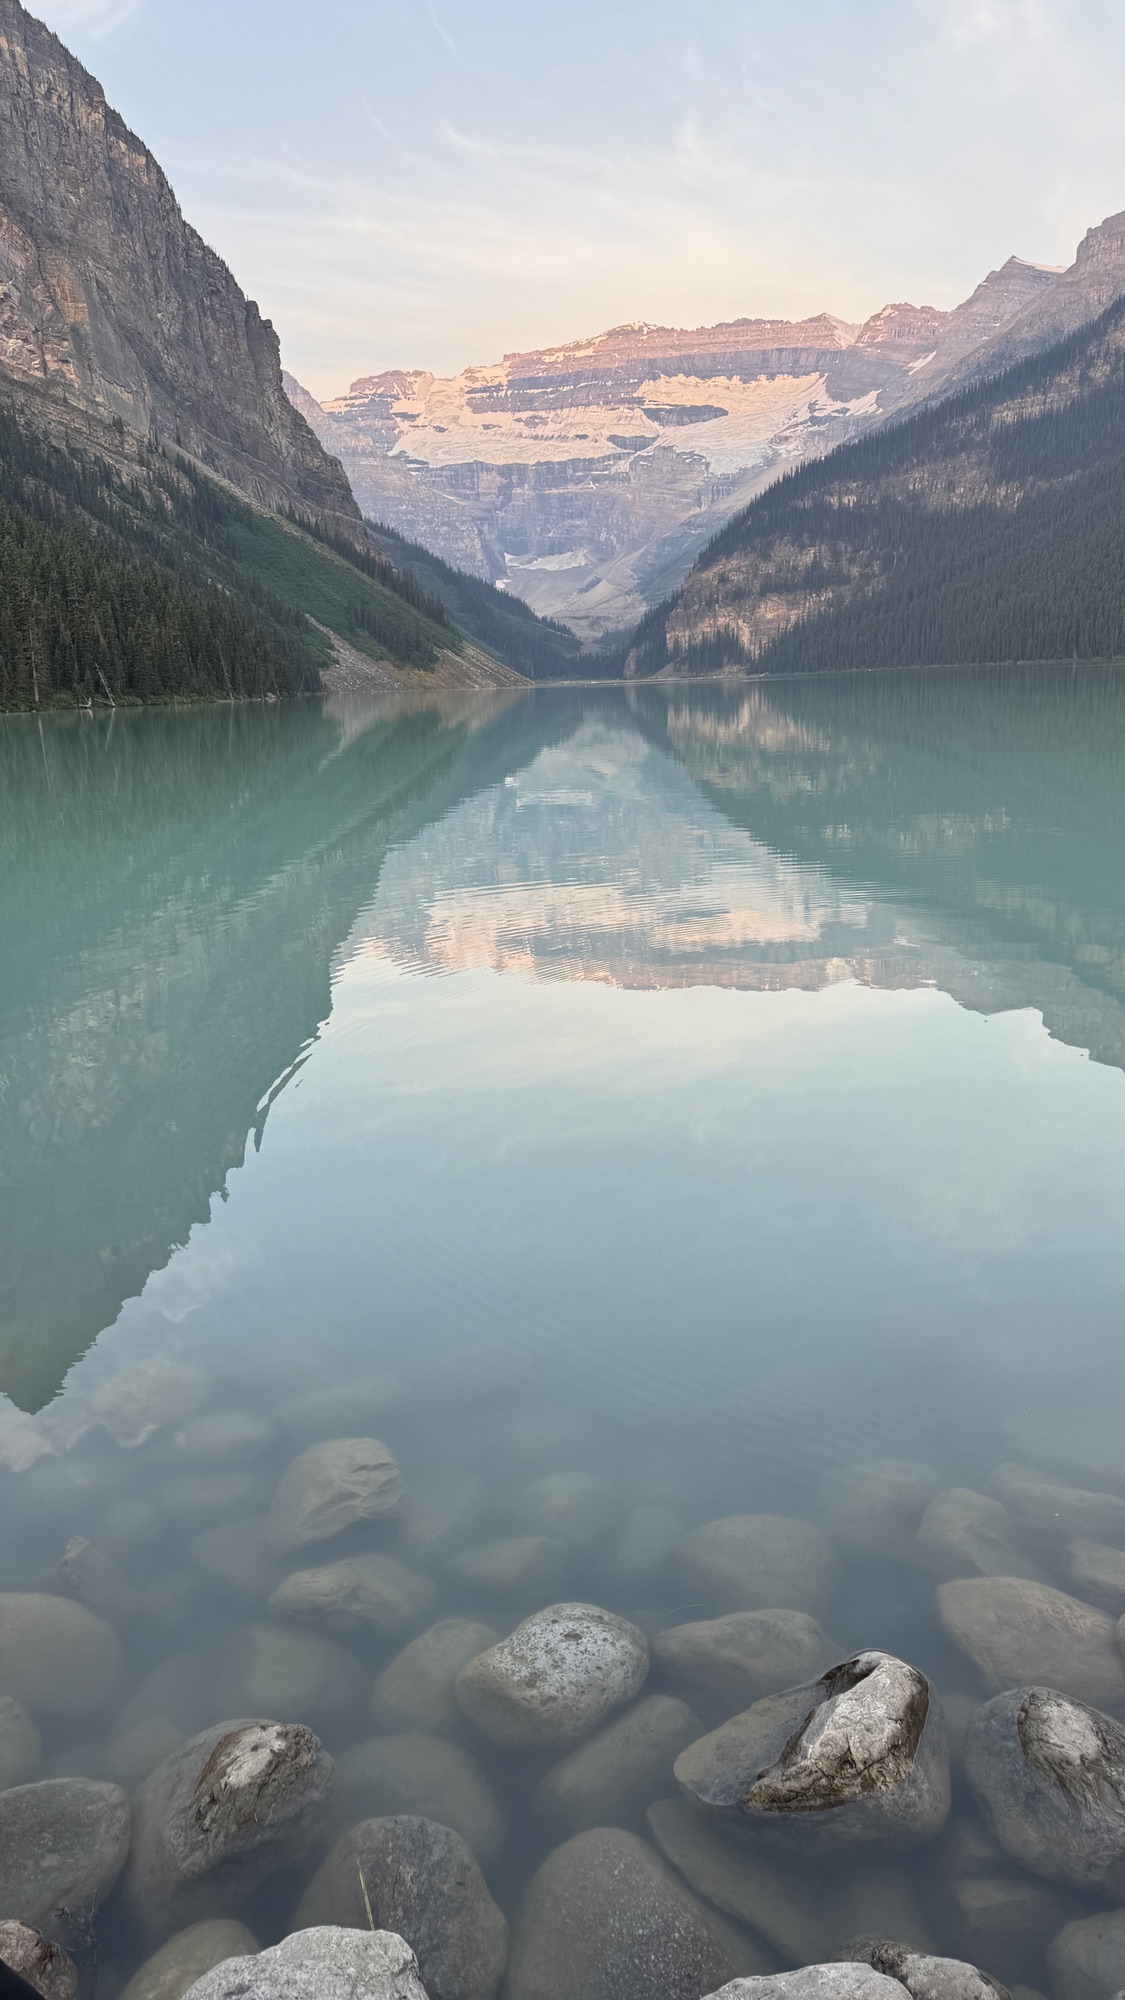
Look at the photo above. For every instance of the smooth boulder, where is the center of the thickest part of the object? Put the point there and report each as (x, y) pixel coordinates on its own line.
(228, 1809)
(1087, 1959)
(187, 1956)
(872, 1509)
(521, 1567)
(779, 1901)
(331, 1964)
(421, 1775)
(148, 1396)
(759, 1562)
(63, 1844)
(297, 1676)
(618, 1771)
(925, 1975)
(1048, 1774)
(839, 1981)
(556, 1677)
(20, 1743)
(61, 1661)
(1097, 1573)
(571, 1507)
(727, 1663)
(857, 1756)
(1017, 1632)
(963, 1533)
(331, 1487)
(419, 1879)
(1048, 1511)
(416, 1691)
(372, 1593)
(47, 1968)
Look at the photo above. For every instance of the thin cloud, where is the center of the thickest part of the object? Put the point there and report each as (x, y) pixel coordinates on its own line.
(93, 18)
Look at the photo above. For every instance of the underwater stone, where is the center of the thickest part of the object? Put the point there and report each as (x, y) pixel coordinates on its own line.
(1018, 1632)
(420, 1775)
(373, 1593)
(187, 1956)
(727, 1663)
(62, 1661)
(1097, 1573)
(555, 1678)
(300, 1676)
(137, 1751)
(45, 1965)
(1087, 1958)
(521, 1567)
(336, 1413)
(758, 1562)
(331, 1964)
(20, 1743)
(1049, 1511)
(615, 1774)
(195, 1499)
(420, 1881)
(329, 1488)
(856, 1756)
(783, 1903)
(63, 1844)
(148, 1396)
(646, 1550)
(963, 1533)
(1048, 1774)
(872, 1510)
(93, 1579)
(416, 1691)
(226, 1437)
(571, 1507)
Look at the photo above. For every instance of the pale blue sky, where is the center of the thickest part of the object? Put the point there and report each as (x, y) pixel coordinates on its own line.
(428, 183)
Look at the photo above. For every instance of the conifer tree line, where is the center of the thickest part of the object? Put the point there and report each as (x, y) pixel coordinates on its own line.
(988, 528)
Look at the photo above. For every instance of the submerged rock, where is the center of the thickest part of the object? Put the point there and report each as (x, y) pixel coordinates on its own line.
(418, 1879)
(331, 1964)
(60, 1660)
(872, 1510)
(646, 1550)
(856, 1756)
(20, 1743)
(231, 1807)
(1048, 1774)
(727, 1663)
(335, 1413)
(1097, 1573)
(756, 1562)
(571, 1507)
(559, 1674)
(1048, 1511)
(45, 1966)
(522, 1567)
(226, 1437)
(416, 1691)
(329, 1488)
(991, 1912)
(93, 1579)
(63, 1844)
(187, 1956)
(781, 1902)
(1017, 1632)
(372, 1593)
(298, 1676)
(1087, 1958)
(604, 1919)
(963, 1533)
(420, 1775)
(614, 1775)
(924, 1975)
(148, 1396)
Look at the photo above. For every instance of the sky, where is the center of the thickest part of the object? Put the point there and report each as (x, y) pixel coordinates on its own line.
(433, 183)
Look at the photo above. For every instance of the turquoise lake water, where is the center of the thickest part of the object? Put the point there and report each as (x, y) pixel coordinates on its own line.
(698, 1087)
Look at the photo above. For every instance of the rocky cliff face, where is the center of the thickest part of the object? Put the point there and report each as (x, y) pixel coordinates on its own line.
(587, 477)
(114, 312)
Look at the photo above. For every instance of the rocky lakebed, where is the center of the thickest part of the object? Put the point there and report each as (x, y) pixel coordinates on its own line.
(297, 1700)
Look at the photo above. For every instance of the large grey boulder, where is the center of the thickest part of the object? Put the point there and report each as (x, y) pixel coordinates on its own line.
(63, 1844)
(1086, 1960)
(839, 1981)
(1017, 1632)
(604, 1919)
(857, 1756)
(555, 1678)
(421, 1775)
(873, 1509)
(369, 1593)
(416, 1691)
(330, 1964)
(757, 1562)
(329, 1488)
(228, 1809)
(60, 1660)
(963, 1533)
(418, 1879)
(614, 1775)
(187, 1956)
(724, 1664)
(1048, 1774)
(925, 1975)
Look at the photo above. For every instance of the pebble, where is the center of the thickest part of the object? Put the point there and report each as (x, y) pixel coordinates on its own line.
(1048, 1774)
(421, 1775)
(1087, 1959)
(331, 1964)
(1018, 1632)
(963, 1533)
(148, 1396)
(416, 1691)
(571, 1507)
(604, 1919)
(873, 1509)
(883, 1900)
(187, 1956)
(63, 1844)
(555, 1678)
(297, 1676)
(373, 1593)
(727, 1663)
(420, 1880)
(522, 1567)
(61, 1661)
(329, 1488)
(857, 1756)
(758, 1562)
(20, 1743)
(615, 1774)
(45, 1965)
(231, 1807)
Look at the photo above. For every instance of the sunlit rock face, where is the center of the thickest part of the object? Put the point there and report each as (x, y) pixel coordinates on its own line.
(587, 477)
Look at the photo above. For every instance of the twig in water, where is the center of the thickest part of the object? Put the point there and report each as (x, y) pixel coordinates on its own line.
(366, 1897)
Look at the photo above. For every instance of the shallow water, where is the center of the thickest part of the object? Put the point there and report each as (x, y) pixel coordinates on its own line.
(701, 1089)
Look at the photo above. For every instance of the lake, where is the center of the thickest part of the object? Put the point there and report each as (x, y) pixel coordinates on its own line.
(634, 1107)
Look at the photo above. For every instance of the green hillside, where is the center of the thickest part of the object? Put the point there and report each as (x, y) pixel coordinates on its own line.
(538, 647)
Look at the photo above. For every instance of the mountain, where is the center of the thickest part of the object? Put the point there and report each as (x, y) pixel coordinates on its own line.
(986, 527)
(587, 477)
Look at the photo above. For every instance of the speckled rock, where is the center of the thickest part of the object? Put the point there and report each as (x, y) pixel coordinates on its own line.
(20, 1743)
(854, 1757)
(1048, 1774)
(416, 1691)
(148, 1396)
(519, 1569)
(63, 1844)
(187, 1956)
(572, 1507)
(47, 1968)
(758, 1562)
(555, 1678)
(231, 1807)
(1017, 1632)
(1097, 1574)
(873, 1509)
(925, 1975)
(333, 1964)
(420, 1775)
(1087, 1958)
(329, 1488)
(370, 1593)
(297, 1676)
(421, 1881)
(839, 1981)
(963, 1533)
(617, 1772)
(724, 1664)
(604, 1919)
(60, 1660)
